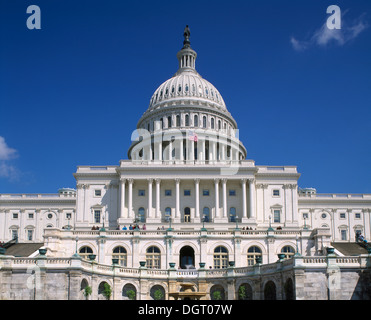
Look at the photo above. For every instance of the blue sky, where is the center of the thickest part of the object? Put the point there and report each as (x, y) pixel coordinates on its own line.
(72, 93)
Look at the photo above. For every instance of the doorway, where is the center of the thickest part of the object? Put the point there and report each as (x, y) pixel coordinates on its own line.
(187, 258)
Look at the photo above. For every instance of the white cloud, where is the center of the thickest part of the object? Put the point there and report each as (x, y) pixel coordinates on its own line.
(6, 153)
(7, 170)
(325, 36)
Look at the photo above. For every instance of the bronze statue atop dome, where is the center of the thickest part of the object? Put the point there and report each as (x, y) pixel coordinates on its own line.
(186, 34)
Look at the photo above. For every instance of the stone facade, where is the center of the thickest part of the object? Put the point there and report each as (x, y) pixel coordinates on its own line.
(198, 201)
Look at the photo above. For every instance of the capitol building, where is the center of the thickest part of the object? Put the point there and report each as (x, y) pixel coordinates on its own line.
(186, 216)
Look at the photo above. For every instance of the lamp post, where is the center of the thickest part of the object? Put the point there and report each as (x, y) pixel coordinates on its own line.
(203, 224)
(170, 229)
(76, 254)
(236, 219)
(270, 225)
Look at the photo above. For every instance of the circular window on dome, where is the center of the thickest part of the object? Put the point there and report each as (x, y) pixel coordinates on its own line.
(50, 215)
(323, 215)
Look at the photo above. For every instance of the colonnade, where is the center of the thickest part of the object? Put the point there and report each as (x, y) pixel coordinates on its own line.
(220, 214)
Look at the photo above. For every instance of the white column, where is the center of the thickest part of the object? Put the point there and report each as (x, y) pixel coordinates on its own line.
(244, 200)
(201, 150)
(225, 208)
(130, 199)
(177, 200)
(294, 197)
(197, 194)
(149, 210)
(252, 198)
(212, 154)
(287, 205)
(158, 193)
(181, 157)
(191, 151)
(216, 185)
(122, 198)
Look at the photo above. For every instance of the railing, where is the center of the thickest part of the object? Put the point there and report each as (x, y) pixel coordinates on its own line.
(17, 263)
(176, 233)
(335, 196)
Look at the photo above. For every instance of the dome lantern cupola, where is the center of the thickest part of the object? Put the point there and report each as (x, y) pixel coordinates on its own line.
(187, 56)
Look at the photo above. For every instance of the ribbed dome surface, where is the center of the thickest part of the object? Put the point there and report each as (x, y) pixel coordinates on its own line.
(187, 85)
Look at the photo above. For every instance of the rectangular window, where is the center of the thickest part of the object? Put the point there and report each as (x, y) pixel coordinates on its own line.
(30, 216)
(98, 192)
(29, 235)
(305, 215)
(141, 193)
(187, 192)
(97, 216)
(342, 215)
(68, 215)
(232, 192)
(14, 234)
(276, 193)
(277, 216)
(167, 193)
(205, 192)
(343, 234)
(357, 216)
(15, 215)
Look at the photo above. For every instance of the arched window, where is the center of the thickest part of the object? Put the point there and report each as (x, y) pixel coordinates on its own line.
(169, 122)
(220, 257)
(195, 121)
(167, 214)
(141, 215)
(253, 253)
(102, 289)
(84, 252)
(204, 122)
(153, 258)
(219, 124)
(232, 214)
(178, 120)
(245, 292)
(206, 214)
(270, 291)
(217, 292)
(120, 254)
(212, 123)
(129, 292)
(157, 292)
(187, 120)
(288, 251)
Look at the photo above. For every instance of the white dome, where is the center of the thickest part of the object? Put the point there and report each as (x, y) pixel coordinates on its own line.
(190, 86)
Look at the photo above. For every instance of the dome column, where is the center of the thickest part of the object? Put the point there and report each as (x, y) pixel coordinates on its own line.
(177, 201)
(197, 204)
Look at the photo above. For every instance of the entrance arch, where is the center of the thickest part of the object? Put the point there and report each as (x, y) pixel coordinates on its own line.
(186, 257)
